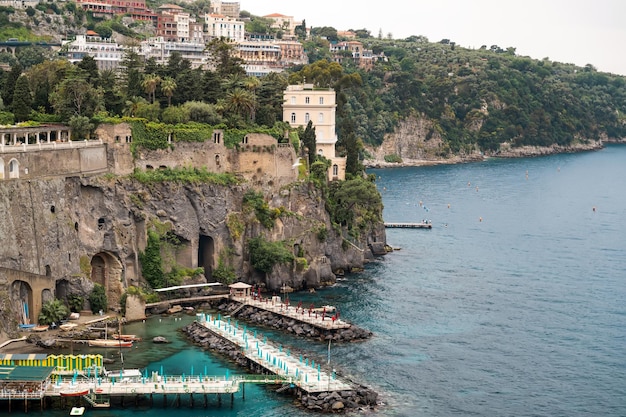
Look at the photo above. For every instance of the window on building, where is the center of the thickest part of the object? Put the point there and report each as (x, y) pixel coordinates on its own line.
(307, 117)
(321, 100)
(293, 117)
(335, 170)
(14, 168)
(293, 99)
(307, 100)
(320, 118)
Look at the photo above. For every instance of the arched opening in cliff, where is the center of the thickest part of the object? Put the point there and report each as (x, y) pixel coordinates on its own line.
(206, 254)
(106, 270)
(22, 300)
(62, 289)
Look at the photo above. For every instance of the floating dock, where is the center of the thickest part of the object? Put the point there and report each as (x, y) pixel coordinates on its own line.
(422, 225)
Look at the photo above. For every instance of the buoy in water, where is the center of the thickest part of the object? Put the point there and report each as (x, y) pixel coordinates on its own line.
(594, 208)
(480, 219)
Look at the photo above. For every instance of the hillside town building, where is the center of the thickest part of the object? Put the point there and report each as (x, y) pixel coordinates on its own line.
(304, 103)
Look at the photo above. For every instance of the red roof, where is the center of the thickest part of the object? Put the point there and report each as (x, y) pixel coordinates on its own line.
(92, 33)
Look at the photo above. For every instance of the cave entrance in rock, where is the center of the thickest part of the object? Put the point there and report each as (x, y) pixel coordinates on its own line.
(22, 298)
(62, 289)
(106, 270)
(206, 253)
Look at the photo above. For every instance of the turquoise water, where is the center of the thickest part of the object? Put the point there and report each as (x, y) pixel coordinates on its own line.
(520, 314)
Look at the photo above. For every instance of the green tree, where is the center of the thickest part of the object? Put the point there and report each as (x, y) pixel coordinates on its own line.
(90, 66)
(309, 141)
(168, 86)
(81, 127)
(22, 100)
(241, 102)
(264, 255)
(98, 299)
(224, 60)
(30, 56)
(9, 84)
(149, 85)
(74, 96)
(151, 262)
(131, 73)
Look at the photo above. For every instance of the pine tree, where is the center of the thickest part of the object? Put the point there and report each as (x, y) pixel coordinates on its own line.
(22, 100)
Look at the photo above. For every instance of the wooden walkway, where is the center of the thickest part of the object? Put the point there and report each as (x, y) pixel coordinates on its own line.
(302, 314)
(295, 370)
(421, 225)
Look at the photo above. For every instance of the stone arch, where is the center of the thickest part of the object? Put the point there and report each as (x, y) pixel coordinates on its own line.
(206, 255)
(107, 270)
(14, 168)
(22, 299)
(46, 295)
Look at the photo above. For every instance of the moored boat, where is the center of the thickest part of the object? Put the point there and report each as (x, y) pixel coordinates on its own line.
(110, 343)
(127, 337)
(74, 393)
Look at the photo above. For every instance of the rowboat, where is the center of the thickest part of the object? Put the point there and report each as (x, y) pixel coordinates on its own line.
(41, 328)
(110, 343)
(74, 393)
(127, 337)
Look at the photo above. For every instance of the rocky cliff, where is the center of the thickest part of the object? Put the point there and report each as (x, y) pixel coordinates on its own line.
(63, 235)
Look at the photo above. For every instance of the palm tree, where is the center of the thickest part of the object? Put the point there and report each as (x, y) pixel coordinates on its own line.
(241, 102)
(149, 85)
(252, 83)
(168, 85)
(132, 104)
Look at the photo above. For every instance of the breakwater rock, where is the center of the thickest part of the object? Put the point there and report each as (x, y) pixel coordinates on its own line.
(360, 398)
(277, 321)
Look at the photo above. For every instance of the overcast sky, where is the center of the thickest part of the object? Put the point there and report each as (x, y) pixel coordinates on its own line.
(571, 31)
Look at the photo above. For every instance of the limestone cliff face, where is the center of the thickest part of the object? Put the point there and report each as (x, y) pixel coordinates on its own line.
(416, 141)
(62, 235)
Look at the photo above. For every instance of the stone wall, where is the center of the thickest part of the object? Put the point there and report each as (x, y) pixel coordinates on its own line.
(57, 162)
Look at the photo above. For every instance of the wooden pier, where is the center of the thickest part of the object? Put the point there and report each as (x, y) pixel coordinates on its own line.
(316, 318)
(421, 225)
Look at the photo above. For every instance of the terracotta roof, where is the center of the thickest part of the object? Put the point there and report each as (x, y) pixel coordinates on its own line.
(91, 33)
(275, 15)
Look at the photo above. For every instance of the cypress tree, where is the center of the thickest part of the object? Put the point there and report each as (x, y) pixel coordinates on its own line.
(22, 100)
(9, 84)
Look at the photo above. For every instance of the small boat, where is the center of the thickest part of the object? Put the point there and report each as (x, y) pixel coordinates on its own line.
(110, 343)
(68, 326)
(74, 393)
(27, 326)
(77, 411)
(127, 337)
(41, 328)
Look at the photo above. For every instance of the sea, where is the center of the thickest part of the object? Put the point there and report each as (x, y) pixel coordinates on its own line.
(513, 304)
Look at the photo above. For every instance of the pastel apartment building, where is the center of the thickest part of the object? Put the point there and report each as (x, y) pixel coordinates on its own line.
(304, 103)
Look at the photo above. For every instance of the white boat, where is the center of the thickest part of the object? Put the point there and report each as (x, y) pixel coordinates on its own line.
(77, 411)
(111, 343)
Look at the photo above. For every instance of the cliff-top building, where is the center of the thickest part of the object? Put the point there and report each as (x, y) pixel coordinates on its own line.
(303, 103)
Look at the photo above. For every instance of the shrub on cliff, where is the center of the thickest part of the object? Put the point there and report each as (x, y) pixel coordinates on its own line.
(98, 299)
(264, 255)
